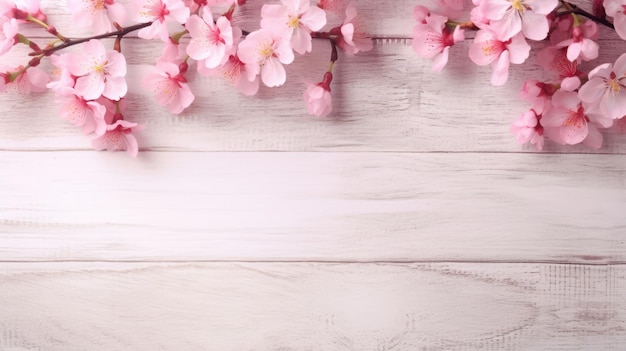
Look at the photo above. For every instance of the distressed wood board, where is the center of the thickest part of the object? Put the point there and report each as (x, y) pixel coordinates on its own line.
(408, 220)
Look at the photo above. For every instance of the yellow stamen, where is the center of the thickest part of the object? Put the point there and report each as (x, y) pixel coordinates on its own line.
(614, 86)
(517, 5)
(488, 50)
(266, 51)
(293, 22)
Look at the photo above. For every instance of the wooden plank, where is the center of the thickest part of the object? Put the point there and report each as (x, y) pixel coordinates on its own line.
(386, 100)
(303, 306)
(314, 206)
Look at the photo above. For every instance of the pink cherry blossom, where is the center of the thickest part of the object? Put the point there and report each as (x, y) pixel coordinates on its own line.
(159, 12)
(97, 14)
(353, 37)
(450, 8)
(118, 136)
(210, 42)
(83, 113)
(31, 80)
(570, 116)
(6, 9)
(295, 19)
(62, 78)
(174, 51)
(317, 97)
(539, 94)
(433, 39)
(170, 87)
(477, 17)
(234, 72)
(420, 13)
(554, 59)
(264, 52)
(607, 88)
(509, 17)
(32, 7)
(616, 9)
(528, 129)
(99, 72)
(8, 31)
(581, 45)
(487, 49)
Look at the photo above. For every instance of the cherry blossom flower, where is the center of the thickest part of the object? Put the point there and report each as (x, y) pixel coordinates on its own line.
(86, 114)
(61, 74)
(539, 94)
(234, 72)
(450, 8)
(23, 81)
(487, 49)
(353, 38)
(509, 17)
(170, 87)
(615, 9)
(574, 123)
(477, 17)
(607, 88)
(317, 97)
(99, 72)
(264, 52)
(527, 128)
(32, 7)
(554, 59)
(97, 14)
(210, 42)
(159, 12)
(8, 31)
(118, 136)
(581, 45)
(295, 19)
(433, 39)
(174, 51)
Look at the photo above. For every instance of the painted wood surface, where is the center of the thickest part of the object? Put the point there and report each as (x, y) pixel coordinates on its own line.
(305, 306)
(313, 206)
(409, 220)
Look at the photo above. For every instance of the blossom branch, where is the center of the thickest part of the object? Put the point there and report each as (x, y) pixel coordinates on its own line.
(571, 8)
(91, 83)
(118, 33)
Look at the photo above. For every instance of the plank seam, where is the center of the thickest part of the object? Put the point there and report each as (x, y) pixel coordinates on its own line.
(381, 262)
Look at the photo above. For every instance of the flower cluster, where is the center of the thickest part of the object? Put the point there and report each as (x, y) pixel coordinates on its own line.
(574, 108)
(91, 86)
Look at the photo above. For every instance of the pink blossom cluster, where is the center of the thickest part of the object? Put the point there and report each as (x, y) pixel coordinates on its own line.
(197, 35)
(574, 109)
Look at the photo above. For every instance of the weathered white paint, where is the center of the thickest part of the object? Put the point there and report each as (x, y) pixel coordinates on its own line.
(304, 306)
(174, 250)
(320, 206)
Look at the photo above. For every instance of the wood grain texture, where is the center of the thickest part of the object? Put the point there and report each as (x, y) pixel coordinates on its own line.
(409, 220)
(304, 306)
(313, 206)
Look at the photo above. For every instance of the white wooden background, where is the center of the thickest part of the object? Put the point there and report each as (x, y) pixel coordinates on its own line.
(409, 220)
